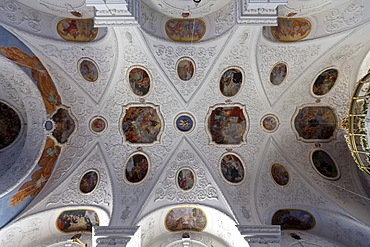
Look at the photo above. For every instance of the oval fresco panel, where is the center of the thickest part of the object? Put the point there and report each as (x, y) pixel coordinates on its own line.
(89, 181)
(141, 124)
(227, 125)
(139, 81)
(231, 82)
(77, 30)
(315, 123)
(88, 69)
(269, 123)
(98, 125)
(185, 69)
(10, 125)
(136, 168)
(290, 30)
(185, 179)
(279, 174)
(293, 219)
(185, 219)
(232, 169)
(185, 30)
(324, 82)
(78, 220)
(278, 74)
(324, 164)
(185, 123)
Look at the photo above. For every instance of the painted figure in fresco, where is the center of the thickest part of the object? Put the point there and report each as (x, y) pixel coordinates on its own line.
(139, 81)
(64, 125)
(98, 125)
(280, 174)
(88, 182)
(186, 179)
(89, 71)
(315, 122)
(185, 30)
(77, 30)
(179, 219)
(10, 125)
(324, 164)
(77, 220)
(325, 81)
(278, 74)
(141, 124)
(137, 168)
(231, 82)
(227, 125)
(269, 123)
(232, 168)
(293, 219)
(185, 70)
(290, 30)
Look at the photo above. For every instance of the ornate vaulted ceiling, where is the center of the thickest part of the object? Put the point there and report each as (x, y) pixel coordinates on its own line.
(138, 123)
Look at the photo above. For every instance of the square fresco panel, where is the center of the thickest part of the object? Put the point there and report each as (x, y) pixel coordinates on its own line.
(141, 124)
(185, 219)
(227, 125)
(315, 123)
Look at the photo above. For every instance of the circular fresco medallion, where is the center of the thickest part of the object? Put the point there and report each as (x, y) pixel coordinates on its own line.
(185, 179)
(324, 82)
(184, 123)
(324, 164)
(185, 68)
(88, 69)
(280, 175)
(231, 82)
(232, 169)
(139, 81)
(98, 125)
(10, 125)
(89, 181)
(278, 73)
(136, 169)
(269, 123)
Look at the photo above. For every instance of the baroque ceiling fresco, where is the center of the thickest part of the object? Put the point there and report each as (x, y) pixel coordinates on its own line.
(185, 124)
